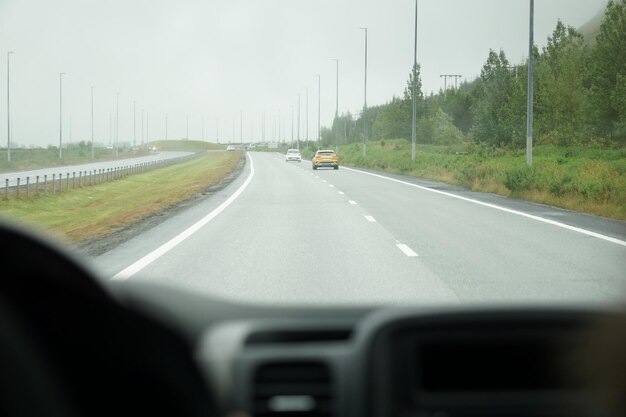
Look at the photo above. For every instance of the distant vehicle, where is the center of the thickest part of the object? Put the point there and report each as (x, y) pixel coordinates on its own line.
(293, 155)
(325, 158)
(231, 148)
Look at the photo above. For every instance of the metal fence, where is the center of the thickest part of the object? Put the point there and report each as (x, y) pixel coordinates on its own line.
(62, 179)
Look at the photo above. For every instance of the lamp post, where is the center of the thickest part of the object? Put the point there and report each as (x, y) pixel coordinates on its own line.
(529, 105)
(61, 74)
(306, 136)
(134, 124)
(92, 143)
(8, 107)
(337, 88)
(298, 123)
(117, 122)
(365, 96)
(318, 110)
(414, 92)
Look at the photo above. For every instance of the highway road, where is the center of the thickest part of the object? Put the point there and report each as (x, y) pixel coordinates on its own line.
(13, 176)
(285, 234)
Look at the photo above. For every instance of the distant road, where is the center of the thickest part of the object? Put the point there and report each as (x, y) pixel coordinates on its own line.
(283, 233)
(13, 176)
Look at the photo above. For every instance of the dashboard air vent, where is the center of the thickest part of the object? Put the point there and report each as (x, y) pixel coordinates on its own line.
(293, 389)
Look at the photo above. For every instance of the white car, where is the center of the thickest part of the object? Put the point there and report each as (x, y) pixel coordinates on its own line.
(231, 148)
(293, 155)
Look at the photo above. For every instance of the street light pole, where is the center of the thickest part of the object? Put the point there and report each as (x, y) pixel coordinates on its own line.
(202, 128)
(61, 115)
(306, 136)
(92, 144)
(365, 97)
(337, 88)
(134, 124)
(187, 134)
(241, 127)
(529, 108)
(8, 108)
(298, 123)
(117, 122)
(319, 83)
(414, 92)
(165, 126)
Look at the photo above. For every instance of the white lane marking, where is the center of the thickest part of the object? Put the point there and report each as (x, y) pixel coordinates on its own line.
(317, 177)
(324, 181)
(171, 244)
(352, 202)
(341, 192)
(331, 186)
(370, 219)
(507, 210)
(406, 250)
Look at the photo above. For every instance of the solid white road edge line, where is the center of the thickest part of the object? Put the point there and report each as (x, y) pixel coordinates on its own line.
(352, 202)
(518, 213)
(370, 219)
(131, 270)
(406, 250)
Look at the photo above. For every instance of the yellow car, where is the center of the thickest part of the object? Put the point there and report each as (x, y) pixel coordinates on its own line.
(325, 158)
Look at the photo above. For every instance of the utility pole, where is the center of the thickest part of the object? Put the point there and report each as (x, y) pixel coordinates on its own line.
(529, 108)
(414, 92)
(445, 78)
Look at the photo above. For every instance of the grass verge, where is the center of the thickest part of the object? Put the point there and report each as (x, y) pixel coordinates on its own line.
(94, 212)
(590, 180)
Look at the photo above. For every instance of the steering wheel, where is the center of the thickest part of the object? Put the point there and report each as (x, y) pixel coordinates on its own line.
(68, 347)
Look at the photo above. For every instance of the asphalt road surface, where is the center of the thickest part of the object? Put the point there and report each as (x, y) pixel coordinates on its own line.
(285, 234)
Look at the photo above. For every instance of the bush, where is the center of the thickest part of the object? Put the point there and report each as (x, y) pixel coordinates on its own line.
(519, 179)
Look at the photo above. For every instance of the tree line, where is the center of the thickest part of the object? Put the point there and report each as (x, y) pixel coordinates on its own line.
(579, 97)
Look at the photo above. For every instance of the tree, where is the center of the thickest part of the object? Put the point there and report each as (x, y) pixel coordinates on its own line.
(393, 120)
(499, 110)
(607, 72)
(560, 93)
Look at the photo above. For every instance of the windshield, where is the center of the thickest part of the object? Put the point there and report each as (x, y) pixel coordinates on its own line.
(150, 139)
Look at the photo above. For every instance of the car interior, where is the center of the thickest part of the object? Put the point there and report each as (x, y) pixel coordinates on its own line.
(72, 346)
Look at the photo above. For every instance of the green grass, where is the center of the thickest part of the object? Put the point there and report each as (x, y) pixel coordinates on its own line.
(92, 212)
(591, 180)
(185, 145)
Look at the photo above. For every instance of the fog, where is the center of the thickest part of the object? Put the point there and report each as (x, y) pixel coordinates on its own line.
(228, 63)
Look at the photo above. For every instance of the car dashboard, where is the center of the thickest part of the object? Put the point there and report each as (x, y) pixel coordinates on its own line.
(400, 362)
(139, 348)
(438, 360)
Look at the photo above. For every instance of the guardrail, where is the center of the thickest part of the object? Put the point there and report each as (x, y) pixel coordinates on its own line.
(64, 179)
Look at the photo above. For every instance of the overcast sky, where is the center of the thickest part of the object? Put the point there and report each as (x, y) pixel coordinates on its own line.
(223, 59)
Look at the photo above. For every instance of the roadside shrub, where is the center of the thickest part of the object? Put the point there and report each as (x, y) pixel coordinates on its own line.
(519, 179)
